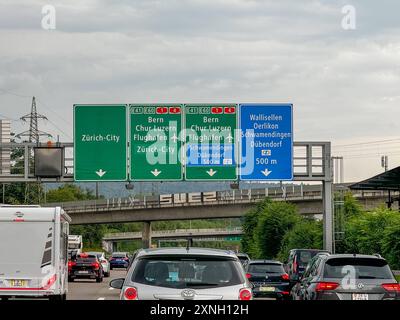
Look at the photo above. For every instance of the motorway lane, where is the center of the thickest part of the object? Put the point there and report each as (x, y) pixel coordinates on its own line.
(87, 289)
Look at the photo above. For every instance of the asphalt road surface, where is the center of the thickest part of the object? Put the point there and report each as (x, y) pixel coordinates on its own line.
(86, 289)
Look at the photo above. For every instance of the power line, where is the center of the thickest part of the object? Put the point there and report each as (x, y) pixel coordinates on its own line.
(366, 143)
(14, 94)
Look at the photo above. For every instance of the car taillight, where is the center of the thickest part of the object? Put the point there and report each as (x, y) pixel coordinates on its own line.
(95, 265)
(392, 287)
(50, 282)
(285, 276)
(71, 264)
(325, 286)
(248, 275)
(244, 294)
(125, 259)
(295, 264)
(130, 293)
(111, 259)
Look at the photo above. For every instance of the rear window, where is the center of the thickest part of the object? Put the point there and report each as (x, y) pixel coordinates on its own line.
(86, 259)
(358, 268)
(119, 255)
(304, 256)
(265, 268)
(188, 272)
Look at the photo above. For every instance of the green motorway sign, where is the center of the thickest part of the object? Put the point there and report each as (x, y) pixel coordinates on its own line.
(155, 142)
(100, 146)
(210, 142)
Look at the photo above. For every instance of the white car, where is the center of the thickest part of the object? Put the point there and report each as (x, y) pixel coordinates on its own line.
(184, 274)
(104, 262)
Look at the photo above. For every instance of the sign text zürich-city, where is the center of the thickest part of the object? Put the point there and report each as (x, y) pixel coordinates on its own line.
(173, 142)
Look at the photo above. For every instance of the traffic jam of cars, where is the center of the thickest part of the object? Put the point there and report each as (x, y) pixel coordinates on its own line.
(211, 274)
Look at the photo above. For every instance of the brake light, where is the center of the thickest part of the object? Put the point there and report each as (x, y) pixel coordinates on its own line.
(50, 282)
(295, 264)
(95, 265)
(285, 276)
(392, 287)
(125, 259)
(325, 286)
(130, 293)
(71, 264)
(111, 259)
(245, 294)
(285, 292)
(248, 275)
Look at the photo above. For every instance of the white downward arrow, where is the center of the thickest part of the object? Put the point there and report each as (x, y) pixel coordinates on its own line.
(266, 172)
(211, 172)
(101, 173)
(155, 172)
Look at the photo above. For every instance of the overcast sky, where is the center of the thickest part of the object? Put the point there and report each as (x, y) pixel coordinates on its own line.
(344, 84)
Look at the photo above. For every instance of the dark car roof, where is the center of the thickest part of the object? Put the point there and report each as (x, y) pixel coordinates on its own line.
(347, 255)
(265, 261)
(318, 250)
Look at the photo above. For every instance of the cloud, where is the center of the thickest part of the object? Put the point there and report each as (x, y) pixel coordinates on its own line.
(344, 84)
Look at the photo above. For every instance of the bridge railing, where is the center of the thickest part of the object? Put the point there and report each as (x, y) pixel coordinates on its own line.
(221, 197)
(214, 231)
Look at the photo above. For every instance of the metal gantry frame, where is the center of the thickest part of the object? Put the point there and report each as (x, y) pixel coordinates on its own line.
(311, 162)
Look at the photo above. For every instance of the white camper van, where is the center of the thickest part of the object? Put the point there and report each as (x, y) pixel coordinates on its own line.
(33, 252)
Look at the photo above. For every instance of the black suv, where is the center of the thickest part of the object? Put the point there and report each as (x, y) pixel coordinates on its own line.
(347, 277)
(85, 266)
(268, 278)
(298, 261)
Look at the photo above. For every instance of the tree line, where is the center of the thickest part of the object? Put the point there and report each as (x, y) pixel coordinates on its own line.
(272, 228)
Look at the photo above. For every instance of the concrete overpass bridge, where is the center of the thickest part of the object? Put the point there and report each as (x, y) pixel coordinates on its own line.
(110, 240)
(204, 205)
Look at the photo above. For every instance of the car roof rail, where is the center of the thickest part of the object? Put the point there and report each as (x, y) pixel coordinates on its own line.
(377, 255)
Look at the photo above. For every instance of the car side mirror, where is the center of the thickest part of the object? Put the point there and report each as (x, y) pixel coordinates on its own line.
(117, 283)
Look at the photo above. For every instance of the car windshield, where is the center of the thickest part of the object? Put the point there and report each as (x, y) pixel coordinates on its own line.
(265, 268)
(357, 268)
(188, 272)
(304, 256)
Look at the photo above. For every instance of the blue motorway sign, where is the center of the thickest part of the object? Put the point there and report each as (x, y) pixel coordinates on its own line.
(266, 133)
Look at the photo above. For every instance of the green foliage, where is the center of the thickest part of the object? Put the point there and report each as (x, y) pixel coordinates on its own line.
(23, 193)
(265, 226)
(306, 233)
(352, 207)
(250, 222)
(276, 219)
(391, 244)
(365, 233)
(69, 192)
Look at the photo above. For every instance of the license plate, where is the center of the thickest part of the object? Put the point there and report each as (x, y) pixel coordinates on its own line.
(18, 283)
(85, 272)
(360, 296)
(267, 289)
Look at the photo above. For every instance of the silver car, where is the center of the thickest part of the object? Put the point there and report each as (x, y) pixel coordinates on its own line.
(184, 274)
